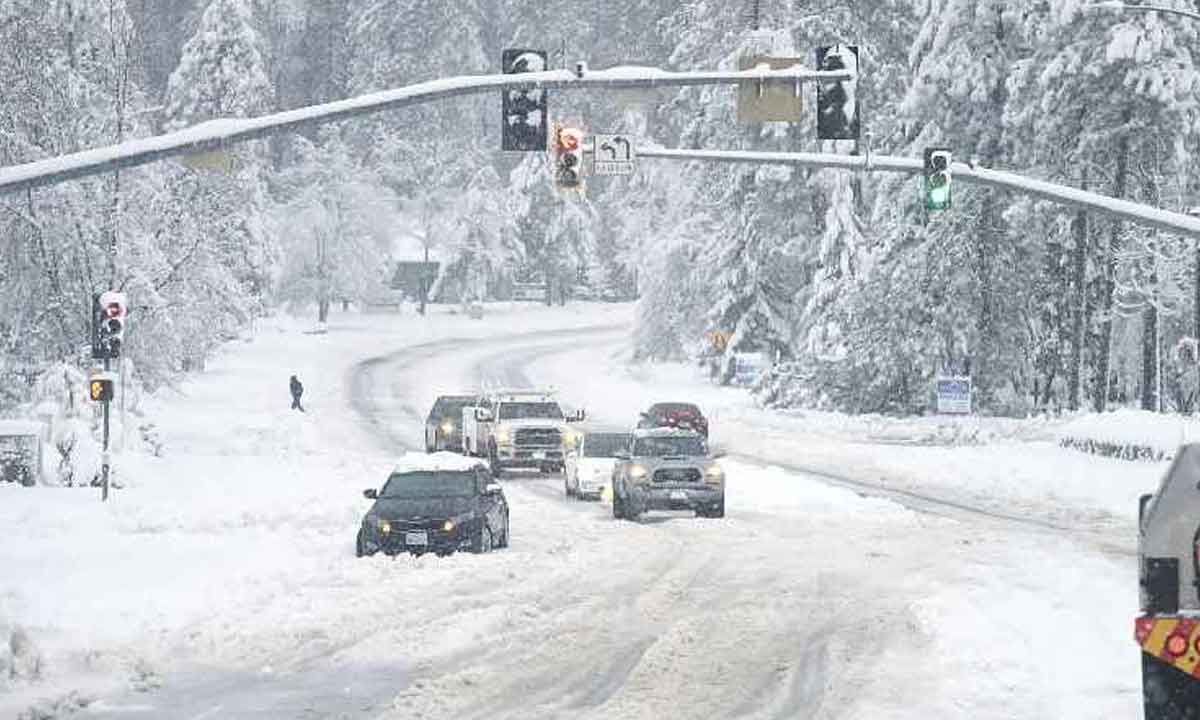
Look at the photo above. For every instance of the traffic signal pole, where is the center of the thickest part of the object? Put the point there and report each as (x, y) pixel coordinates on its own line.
(105, 459)
(1144, 214)
(216, 135)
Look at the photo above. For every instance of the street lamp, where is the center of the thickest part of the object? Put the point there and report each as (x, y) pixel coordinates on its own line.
(1118, 6)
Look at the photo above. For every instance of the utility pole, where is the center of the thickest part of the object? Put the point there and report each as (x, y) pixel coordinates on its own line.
(424, 277)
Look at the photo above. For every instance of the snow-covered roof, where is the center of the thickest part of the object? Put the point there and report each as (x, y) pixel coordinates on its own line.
(439, 461)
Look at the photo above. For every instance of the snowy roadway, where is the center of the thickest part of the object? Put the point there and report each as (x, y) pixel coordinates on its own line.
(806, 601)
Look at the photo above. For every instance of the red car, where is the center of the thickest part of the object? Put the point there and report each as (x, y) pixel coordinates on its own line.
(675, 415)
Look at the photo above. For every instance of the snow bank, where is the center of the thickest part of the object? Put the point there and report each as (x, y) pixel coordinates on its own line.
(1129, 434)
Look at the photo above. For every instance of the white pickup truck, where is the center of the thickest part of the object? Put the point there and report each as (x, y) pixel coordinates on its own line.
(518, 429)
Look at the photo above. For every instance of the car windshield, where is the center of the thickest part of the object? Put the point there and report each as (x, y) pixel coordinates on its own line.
(530, 410)
(605, 445)
(664, 446)
(417, 485)
(449, 408)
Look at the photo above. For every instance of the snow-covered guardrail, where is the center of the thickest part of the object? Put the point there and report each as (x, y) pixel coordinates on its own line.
(1130, 434)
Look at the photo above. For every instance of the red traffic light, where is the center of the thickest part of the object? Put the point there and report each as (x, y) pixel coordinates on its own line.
(569, 139)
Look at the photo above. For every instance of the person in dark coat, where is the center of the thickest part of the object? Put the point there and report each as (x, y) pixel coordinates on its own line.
(297, 390)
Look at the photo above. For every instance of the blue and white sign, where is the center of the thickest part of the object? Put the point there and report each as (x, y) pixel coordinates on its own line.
(954, 395)
(748, 367)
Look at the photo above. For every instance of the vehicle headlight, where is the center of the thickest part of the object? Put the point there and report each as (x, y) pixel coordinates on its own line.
(638, 472)
(384, 526)
(714, 474)
(447, 427)
(448, 526)
(503, 436)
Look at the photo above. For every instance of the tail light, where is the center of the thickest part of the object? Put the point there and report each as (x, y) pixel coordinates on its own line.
(1142, 627)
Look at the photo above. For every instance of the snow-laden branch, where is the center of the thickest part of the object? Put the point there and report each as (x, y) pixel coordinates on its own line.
(1136, 212)
(217, 134)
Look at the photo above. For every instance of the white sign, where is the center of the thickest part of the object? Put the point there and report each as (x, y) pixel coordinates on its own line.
(954, 395)
(612, 155)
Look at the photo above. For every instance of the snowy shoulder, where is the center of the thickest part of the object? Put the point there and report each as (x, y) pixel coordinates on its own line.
(440, 461)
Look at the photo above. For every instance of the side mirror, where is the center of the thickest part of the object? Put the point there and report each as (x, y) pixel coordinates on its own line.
(1142, 501)
(577, 416)
(483, 415)
(493, 489)
(371, 494)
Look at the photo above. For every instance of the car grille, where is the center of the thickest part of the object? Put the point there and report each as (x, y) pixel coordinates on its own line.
(539, 437)
(677, 475)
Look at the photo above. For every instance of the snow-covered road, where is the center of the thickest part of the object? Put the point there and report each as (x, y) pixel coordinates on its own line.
(806, 601)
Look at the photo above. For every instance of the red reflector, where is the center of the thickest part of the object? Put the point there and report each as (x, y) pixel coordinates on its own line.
(1142, 628)
(1177, 645)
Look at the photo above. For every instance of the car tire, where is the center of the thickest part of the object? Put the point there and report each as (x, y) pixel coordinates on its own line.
(503, 543)
(360, 545)
(620, 512)
(482, 542)
(718, 513)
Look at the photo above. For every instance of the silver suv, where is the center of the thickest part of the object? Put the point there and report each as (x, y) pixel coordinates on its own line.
(667, 469)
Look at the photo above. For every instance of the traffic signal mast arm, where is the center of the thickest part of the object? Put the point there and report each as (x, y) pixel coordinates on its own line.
(1143, 214)
(217, 134)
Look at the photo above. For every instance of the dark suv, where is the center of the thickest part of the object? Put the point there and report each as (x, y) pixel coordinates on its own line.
(674, 415)
(446, 504)
(443, 427)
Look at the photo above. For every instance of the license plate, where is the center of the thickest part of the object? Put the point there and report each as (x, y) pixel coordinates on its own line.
(416, 538)
(539, 455)
(679, 495)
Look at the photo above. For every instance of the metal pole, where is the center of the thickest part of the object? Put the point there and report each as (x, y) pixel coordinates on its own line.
(424, 289)
(1119, 7)
(104, 458)
(218, 135)
(1136, 212)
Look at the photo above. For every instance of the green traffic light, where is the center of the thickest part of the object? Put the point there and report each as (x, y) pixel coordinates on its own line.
(937, 197)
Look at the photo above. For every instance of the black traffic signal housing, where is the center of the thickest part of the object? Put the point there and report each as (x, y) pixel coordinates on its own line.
(110, 315)
(937, 178)
(100, 389)
(837, 101)
(568, 158)
(524, 111)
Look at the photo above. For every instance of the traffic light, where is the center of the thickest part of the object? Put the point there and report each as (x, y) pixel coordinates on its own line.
(524, 111)
(837, 101)
(100, 389)
(937, 178)
(568, 157)
(109, 333)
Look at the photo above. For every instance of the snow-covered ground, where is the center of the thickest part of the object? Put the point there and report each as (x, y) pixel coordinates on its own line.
(221, 581)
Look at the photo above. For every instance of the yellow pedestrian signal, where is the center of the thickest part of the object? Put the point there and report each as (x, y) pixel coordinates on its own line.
(100, 389)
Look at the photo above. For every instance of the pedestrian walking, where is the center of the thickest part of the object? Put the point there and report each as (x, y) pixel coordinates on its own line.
(297, 390)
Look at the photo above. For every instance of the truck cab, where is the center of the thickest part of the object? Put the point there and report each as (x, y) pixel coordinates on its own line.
(518, 429)
(1168, 628)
